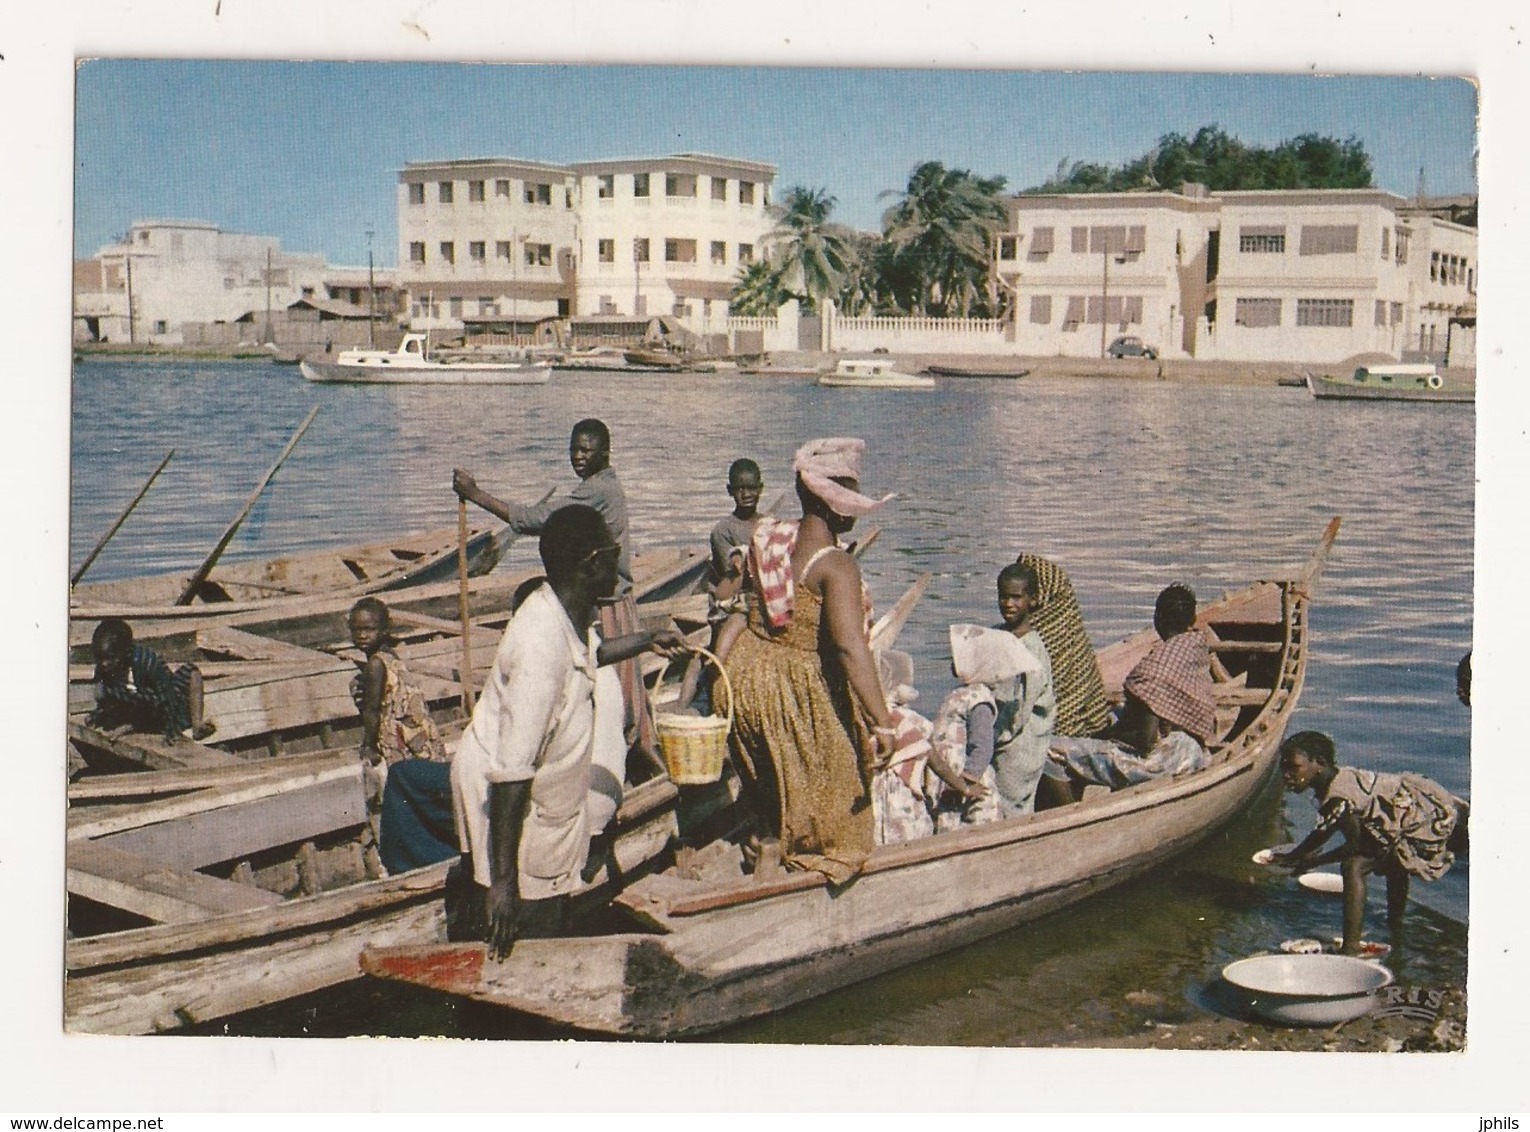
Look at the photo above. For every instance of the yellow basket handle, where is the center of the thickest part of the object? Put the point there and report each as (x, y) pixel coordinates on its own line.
(705, 654)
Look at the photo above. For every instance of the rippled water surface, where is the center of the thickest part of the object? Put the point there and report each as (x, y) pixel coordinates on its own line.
(1130, 485)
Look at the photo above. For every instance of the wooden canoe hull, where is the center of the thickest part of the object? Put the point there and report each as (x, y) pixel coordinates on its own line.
(725, 952)
(167, 975)
(282, 582)
(975, 371)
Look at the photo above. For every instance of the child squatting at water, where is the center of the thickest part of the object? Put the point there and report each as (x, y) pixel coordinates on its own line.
(1397, 825)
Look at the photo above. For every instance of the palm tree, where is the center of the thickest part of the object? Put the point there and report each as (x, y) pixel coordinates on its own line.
(810, 253)
(943, 227)
(757, 291)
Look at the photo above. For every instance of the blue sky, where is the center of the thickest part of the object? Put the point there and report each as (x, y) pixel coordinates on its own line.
(308, 151)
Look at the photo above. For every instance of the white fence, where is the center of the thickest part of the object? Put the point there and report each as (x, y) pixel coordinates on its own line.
(865, 334)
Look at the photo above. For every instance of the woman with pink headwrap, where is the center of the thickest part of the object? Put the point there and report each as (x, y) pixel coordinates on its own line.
(811, 723)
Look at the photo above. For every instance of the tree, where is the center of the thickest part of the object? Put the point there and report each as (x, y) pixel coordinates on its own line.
(941, 231)
(757, 291)
(811, 254)
(1222, 163)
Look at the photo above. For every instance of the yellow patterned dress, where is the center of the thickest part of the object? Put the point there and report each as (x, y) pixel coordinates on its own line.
(797, 737)
(407, 731)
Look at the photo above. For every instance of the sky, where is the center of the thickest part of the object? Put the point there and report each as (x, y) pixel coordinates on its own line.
(309, 151)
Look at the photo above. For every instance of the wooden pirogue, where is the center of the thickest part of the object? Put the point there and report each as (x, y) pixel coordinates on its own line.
(716, 947)
(231, 889)
(283, 582)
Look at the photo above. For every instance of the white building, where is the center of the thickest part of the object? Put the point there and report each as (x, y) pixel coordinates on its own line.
(1300, 275)
(523, 240)
(169, 272)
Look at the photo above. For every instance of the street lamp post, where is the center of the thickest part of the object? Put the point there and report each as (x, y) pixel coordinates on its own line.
(371, 296)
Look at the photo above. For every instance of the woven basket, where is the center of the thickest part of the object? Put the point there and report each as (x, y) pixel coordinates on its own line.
(695, 747)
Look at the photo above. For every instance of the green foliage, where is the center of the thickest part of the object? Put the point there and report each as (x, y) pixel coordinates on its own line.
(811, 255)
(757, 291)
(939, 235)
(1222, 163)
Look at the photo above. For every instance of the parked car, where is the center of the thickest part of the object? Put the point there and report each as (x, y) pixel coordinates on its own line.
(1130, 346)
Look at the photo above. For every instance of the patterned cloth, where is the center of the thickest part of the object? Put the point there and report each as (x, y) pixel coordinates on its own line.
(1103, 762)
(770, 568)
(407, 731)
(949, 744)
(820, 462)
(149, 698)
(1018, 674)
(1405, 819)
(1174, 682)
(1081, 705)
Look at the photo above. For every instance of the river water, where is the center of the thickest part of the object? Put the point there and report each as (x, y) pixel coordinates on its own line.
(1130, 485)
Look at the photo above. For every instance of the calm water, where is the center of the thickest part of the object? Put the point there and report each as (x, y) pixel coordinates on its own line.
(1129, 485)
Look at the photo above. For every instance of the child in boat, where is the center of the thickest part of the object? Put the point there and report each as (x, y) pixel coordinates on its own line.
(1398, 825)
(1027, 699)
(1169, 713)
(136, 691)
(729, 546)
(395, 722)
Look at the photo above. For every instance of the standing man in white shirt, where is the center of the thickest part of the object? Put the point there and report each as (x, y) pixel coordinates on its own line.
(521, 779)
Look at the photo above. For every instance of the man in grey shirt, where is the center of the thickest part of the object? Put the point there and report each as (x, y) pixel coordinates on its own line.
(589, 451)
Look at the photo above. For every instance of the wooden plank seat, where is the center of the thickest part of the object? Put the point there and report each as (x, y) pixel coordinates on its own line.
(153, 889)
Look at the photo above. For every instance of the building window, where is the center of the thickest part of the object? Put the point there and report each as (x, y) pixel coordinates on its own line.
(1329, 239)
(448, 251)
(1381, 312)
(1434, 267)
(1325, 312)
(444, 192)
(475, 192)
(1386, 243)
(1136, 239)
(1400, 244)
(719, 252)
(538, 255)
(679, 184)
(1257, 312)
(607, 305)
(476, 251)
(605, 186)
(487, 305)
(1080, 239)
(640, 250)
(1471, 280)
(417, 252)
(1041, 309)
(502, 250)
(605, 251)
(535, 193)
(719, 188)
(416, 192)
(679, 251)
(1107, 239)
(1041, 243)
(746, 253)
(746, 192)
(640, 184)
(1007, 245)
(1396, 314)
(1075, 314)
(454, 308)
(161, 326)
(1262, 240)
(502, 188)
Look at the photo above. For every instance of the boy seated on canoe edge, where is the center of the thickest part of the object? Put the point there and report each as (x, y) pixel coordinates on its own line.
(136, 691)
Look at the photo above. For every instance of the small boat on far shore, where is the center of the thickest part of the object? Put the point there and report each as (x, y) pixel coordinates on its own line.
(872, 373)
(1406, 382)
(409, 365)
(992, 371)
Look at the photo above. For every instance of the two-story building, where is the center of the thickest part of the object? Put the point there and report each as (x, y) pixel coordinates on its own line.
(522, 241)
(1314, 275)
(169, 272)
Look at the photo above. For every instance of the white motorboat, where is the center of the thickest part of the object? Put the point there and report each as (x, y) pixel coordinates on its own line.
(872, 373)
(411, 365)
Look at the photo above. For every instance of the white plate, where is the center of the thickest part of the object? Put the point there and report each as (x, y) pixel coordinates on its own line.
(1267, 856)
(1331, 884)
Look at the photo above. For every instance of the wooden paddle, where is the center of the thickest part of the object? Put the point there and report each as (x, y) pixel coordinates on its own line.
(122, 518)
(462, 605)
(891, 623)
(200, 575)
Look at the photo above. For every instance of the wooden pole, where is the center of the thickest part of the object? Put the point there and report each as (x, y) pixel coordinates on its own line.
(200, 575)
(462, 605)
(122, 518)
